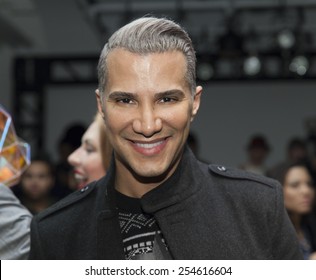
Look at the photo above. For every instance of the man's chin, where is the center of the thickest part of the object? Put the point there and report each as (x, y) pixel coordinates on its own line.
(151, 175)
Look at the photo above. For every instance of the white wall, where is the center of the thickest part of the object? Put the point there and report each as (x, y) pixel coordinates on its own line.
(232, 112)
(67, 30)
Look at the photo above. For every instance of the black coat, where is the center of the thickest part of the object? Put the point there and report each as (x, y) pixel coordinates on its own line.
(204, 212)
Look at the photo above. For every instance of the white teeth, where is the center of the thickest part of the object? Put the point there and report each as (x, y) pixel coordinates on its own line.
(148, 145)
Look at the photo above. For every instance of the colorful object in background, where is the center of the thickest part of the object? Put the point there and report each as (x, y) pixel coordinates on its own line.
(14, 153)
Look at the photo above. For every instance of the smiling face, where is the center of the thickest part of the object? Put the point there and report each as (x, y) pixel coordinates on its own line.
(298, 191)
(148, 108)
(87, 159)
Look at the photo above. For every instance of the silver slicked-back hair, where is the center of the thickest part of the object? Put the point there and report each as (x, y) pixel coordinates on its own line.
(150, 35)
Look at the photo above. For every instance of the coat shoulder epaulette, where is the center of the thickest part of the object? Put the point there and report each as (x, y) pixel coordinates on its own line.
(68, 200)
(238, 174)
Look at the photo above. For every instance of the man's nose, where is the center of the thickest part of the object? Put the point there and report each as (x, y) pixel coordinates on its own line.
(148, 121)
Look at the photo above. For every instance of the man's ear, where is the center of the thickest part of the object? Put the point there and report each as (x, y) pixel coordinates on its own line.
(196, 101)
(99, 103)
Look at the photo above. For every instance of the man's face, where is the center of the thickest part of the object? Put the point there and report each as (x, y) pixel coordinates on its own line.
(148, 108)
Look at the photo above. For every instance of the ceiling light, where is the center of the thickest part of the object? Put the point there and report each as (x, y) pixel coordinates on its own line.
(252, 65)
(299, 65)
(204, 71)
(286, 39)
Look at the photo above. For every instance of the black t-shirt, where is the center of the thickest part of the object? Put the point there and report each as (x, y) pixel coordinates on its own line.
(142, 237)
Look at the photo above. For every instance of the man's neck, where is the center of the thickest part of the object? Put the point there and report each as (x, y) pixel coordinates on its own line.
(131, 185)
(133, 188)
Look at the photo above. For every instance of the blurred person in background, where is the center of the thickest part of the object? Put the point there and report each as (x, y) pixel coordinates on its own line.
(296, 152)
(257, 152)
(299, 197)
(36, 186)
(15, 219)
(92, 159)
(69, 142)
(14, 226)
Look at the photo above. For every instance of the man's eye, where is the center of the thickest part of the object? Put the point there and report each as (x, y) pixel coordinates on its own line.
(125, 100)
(167, 99)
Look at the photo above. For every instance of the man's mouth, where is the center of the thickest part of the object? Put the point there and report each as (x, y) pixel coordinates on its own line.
(150, 148)
(149, 145)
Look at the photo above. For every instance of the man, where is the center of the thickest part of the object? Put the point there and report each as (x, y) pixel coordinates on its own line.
(157, 201)
(257, 152)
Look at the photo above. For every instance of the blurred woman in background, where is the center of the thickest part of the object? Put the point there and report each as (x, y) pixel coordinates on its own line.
(36, 186)
(92, 159)
(299, 198)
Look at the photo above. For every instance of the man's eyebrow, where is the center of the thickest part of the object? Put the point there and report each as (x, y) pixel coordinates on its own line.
(121, 95)
(171, 92)
(158, 95)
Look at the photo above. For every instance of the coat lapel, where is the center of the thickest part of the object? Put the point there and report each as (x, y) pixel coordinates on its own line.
(109, 241)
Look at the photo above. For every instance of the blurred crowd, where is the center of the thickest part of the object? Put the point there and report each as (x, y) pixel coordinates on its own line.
(296, 174)
(84, 156)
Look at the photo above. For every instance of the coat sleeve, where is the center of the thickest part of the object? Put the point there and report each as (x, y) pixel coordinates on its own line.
(14, 226)
(284, 239)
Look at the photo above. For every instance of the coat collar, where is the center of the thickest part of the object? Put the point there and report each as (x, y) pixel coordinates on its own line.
(183, 183)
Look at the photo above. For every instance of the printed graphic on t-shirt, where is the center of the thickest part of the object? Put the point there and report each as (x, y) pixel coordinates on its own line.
(142, 238)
